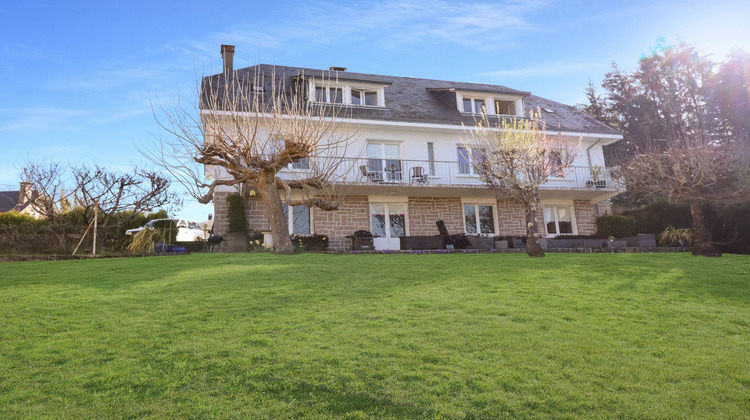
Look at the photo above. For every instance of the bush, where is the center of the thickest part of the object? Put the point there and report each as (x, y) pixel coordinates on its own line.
(656, 216)
(236, 214)
(615, 225)
(15, 218)
(310, 242)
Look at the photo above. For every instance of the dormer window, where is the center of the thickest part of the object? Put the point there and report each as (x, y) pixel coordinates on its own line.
(503, 107)
(492, 104)
(367, 97)
(329, 94)
(473, 105)
(354, 94)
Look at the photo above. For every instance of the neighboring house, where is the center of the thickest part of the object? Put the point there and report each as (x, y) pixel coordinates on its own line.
(416, 170)
(21, 200)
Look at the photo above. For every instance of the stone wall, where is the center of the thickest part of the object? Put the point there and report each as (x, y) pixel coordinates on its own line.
(511, 218)
(604, 207)
(220, 213)
(424, 212)
(585, 217)
(353, 214)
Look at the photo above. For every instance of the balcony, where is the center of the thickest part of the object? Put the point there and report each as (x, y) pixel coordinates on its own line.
(406, 176)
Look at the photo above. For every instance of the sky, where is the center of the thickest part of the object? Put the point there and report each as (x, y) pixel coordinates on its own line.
(78, 78)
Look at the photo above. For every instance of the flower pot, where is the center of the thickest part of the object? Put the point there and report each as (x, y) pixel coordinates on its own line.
(235, 242)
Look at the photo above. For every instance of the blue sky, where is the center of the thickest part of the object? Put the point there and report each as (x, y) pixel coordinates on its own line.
(78, 77)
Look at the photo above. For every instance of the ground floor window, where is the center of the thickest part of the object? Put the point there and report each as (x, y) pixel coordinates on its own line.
(298, 219)
(558, 219)
(388, 220)
(479, 218)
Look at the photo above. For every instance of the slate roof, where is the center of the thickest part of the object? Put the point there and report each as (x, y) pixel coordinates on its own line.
(8, 201)
(416, 100)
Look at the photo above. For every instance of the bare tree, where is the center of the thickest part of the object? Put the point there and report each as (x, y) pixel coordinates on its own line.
(514, 157)
(87, 187)
(248, 128)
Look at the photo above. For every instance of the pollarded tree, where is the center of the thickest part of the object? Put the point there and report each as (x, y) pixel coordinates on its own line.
(251, 126)
(514, 157)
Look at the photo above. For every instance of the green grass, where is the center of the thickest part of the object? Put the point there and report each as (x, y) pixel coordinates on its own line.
(377, 336)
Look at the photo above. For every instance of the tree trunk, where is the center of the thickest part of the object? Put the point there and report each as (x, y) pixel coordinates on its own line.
(704, 244)
(533, 247)
(269, 193)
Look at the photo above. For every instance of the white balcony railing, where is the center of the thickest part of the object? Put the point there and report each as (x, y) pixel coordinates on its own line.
(454, 173)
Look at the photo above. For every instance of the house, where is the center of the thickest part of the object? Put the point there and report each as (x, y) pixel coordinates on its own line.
(21, 200)
(415, 169)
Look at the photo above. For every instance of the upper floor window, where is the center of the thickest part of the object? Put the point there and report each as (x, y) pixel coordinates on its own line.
(329, 94)
(302, 164)
(474, 105)
(347, 94)
(493, 104)
(503, 107)
(465, 165)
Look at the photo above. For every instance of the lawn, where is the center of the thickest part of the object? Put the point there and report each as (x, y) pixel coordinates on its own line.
(377, 336)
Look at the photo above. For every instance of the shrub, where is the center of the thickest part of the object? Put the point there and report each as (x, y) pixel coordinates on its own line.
(15, 218)
(656, 216)
(310, 242)
(673, 236)
(615, 225)
(236, 214)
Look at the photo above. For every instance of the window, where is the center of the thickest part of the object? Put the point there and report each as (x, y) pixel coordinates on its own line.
(388, 220)
(364, 97)
(474, 105)
(346, 94)
(503, 107)
(385, 157)
(481, 216)
(431, 156)
(302, 164)
(465, 166)
(559, 220)
(329, 94)
(298, 220)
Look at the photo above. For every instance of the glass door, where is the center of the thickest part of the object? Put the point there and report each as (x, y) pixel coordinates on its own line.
(386, 158)
(388, 224)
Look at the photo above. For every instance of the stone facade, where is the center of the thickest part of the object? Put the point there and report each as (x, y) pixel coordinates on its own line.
(353, 214)
(511, 218)
(424, 212)
(604, 207)
(585, 217)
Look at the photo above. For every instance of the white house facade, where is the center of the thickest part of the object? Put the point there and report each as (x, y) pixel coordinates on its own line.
(414, 169)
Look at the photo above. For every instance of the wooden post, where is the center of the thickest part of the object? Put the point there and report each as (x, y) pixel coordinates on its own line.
(96, 216)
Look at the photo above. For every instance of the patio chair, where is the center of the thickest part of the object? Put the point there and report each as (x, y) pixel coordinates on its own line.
(417, 174)
(372, 176)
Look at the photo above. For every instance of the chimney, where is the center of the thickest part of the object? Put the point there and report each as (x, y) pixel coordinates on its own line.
(227, 56)
(334, 68)
(24, 193)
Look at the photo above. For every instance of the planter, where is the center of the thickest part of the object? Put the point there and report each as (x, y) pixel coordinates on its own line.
(593, 243)
(617, 244)
(235, 242)
(501, 244)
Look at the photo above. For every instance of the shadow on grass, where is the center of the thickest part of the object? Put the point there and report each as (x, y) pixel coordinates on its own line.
(343, 402)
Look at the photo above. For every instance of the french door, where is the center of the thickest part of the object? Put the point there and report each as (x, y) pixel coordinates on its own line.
(388, 224)
(385, 157)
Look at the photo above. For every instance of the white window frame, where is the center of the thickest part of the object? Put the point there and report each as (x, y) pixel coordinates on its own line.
(387, 203)
(476, 204)
(472, 170)
(554, 206)
(346, 92)
(290, 219)
(489, 103)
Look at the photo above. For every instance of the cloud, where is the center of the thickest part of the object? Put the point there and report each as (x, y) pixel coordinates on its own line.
(478, 26)
(35, 119)
(559, 68)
